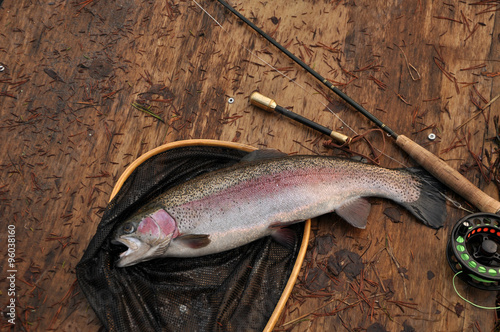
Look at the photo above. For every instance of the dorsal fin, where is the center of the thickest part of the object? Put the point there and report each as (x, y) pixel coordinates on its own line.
(263, 154)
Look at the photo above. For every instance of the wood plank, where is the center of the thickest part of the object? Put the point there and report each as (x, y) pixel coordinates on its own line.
(68, 127)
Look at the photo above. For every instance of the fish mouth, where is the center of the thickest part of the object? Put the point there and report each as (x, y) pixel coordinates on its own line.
(131, 245)
(134, 253)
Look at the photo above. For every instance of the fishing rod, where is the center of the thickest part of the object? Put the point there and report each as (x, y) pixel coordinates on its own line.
(473, 245)
(268, 104)
(433, 164)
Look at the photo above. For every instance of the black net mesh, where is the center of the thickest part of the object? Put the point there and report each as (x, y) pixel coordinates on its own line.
(231, 291)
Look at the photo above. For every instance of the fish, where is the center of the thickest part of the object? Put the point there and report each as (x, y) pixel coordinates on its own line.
(262, 195)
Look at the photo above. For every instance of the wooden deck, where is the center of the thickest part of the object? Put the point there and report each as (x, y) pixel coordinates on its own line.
(75, 73)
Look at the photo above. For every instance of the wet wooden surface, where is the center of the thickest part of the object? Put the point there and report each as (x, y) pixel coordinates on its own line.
(73, 72)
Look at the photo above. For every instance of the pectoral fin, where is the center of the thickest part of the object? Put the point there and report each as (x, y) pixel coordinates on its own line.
(194, 241)
(355, 212)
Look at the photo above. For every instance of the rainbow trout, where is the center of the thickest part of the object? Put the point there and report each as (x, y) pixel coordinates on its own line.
(234, 206)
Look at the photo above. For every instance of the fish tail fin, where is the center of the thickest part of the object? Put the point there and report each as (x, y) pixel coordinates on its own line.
(430, 207)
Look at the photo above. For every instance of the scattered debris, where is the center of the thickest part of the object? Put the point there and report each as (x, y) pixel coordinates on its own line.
(345, 261)
(52, 74)
(394, 214)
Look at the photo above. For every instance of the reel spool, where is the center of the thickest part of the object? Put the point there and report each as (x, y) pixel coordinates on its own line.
(473, 250)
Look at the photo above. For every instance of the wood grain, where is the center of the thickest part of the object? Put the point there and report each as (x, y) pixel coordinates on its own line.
(68, 128)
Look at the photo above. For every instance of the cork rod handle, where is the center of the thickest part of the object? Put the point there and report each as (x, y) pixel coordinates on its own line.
(449, 176)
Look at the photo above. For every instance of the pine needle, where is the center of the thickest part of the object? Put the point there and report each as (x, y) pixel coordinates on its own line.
(146, 110)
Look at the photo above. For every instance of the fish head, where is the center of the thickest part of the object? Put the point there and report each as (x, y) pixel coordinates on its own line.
(147, 236)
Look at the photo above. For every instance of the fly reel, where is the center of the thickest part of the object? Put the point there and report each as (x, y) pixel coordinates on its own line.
(473, 250)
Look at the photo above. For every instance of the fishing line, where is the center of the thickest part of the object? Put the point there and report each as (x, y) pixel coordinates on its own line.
(303, 88)
(468, 301)
(473, 253)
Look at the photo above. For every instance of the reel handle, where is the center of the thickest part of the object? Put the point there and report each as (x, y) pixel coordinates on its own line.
(449, 176)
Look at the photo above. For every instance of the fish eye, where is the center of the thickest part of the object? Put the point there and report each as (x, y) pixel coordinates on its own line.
(128, 228)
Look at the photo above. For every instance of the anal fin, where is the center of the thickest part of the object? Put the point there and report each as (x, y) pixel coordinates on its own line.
(355, 212)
